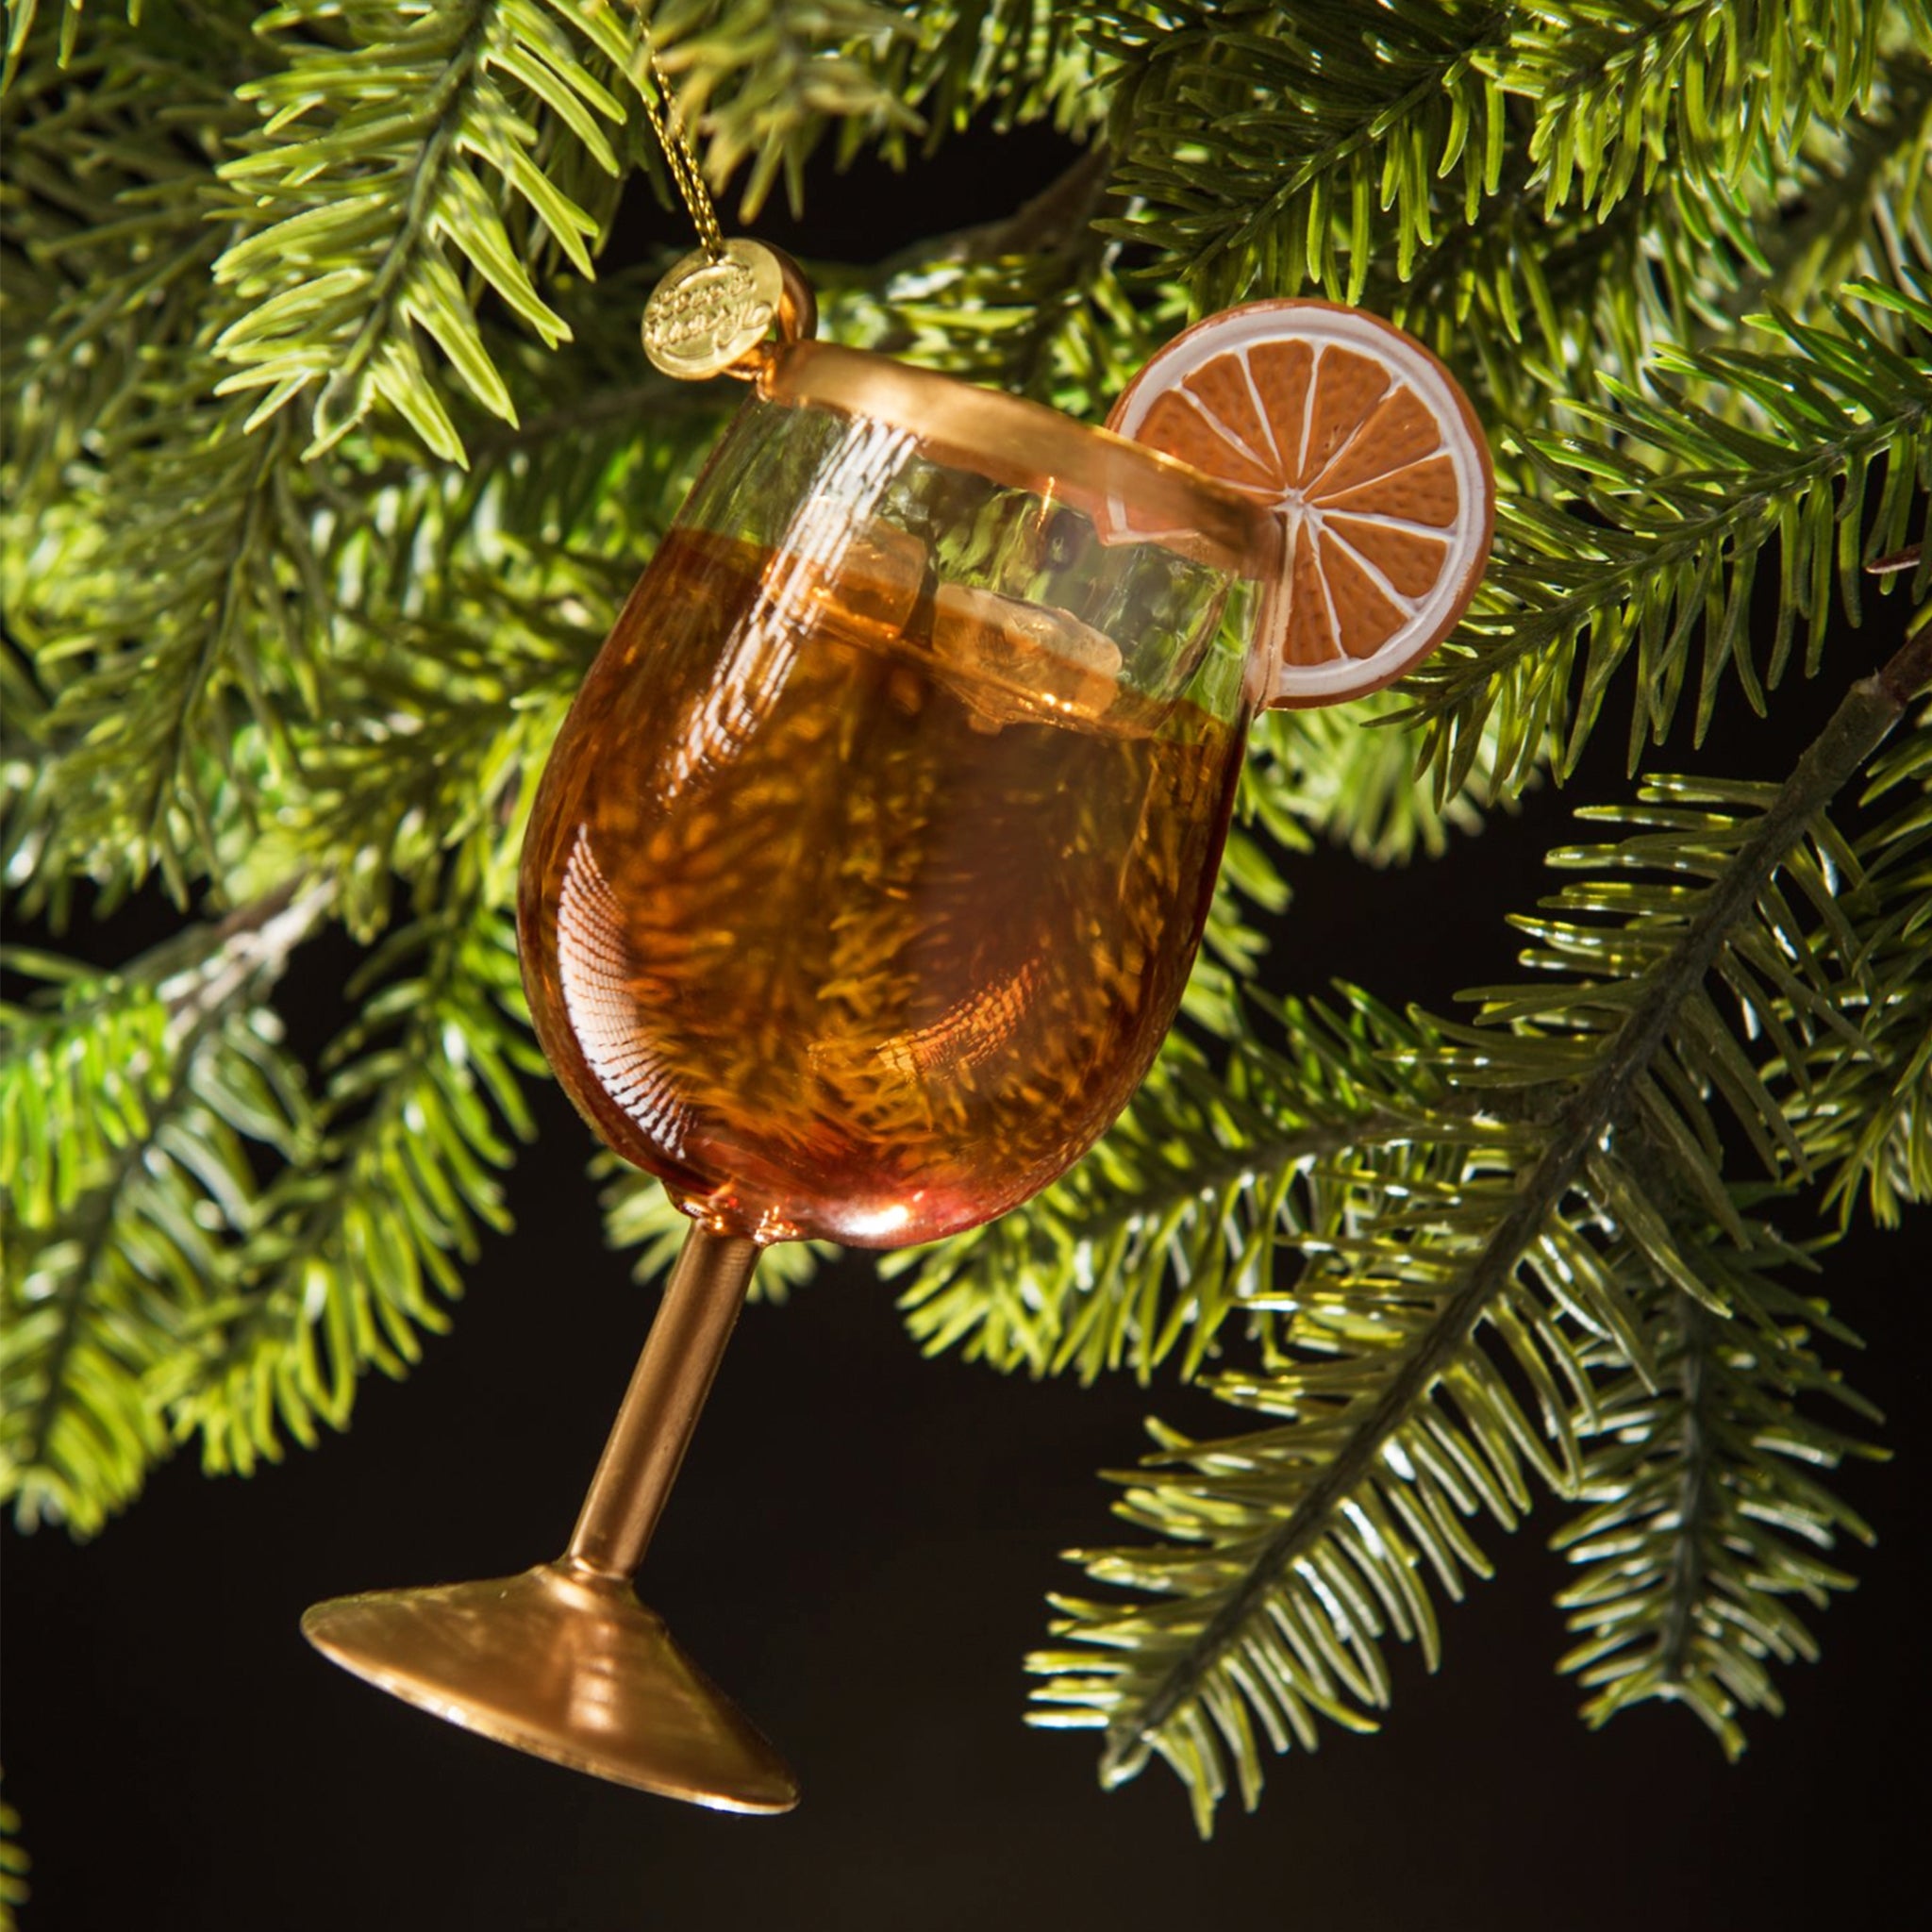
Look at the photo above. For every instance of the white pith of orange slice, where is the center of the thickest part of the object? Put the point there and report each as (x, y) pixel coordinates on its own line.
(1370, 452)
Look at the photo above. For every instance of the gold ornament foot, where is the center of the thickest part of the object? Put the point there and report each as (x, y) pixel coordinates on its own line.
(565, 1663)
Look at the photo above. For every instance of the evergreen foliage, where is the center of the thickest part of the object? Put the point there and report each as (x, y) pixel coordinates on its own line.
(328, 458)
(14, 1866)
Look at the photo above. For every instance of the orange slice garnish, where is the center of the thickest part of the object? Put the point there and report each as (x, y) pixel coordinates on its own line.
(1366, 446)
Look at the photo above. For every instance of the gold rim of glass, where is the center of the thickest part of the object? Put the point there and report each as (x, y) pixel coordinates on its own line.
(1132, 493)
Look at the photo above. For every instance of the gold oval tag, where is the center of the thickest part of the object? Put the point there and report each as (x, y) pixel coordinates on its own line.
(706, 314)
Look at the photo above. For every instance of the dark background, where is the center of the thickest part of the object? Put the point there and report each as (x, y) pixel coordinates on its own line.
(858, 1549)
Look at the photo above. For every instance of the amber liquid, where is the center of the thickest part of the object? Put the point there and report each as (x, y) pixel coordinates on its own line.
(845, 918)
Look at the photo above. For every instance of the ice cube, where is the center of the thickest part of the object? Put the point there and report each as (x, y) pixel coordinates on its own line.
(869, 587)
(1014, 660)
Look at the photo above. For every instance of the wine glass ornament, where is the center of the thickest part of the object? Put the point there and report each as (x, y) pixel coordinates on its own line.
(868, 866)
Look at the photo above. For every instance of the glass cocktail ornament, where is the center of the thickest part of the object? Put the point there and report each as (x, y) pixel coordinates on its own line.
(870, 864)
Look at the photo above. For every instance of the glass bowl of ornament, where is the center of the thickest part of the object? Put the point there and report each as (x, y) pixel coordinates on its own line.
(867, 872)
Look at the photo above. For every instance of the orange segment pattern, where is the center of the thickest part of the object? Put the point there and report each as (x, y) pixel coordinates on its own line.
(1347, 388)
(1411, 561)
(1363, 442)
(1176, 422)
(1311, 637)
(1335, 438)
(1366, 618)
(1282, 373)
(1223, 390)
(1398, 432)
(1423, 493)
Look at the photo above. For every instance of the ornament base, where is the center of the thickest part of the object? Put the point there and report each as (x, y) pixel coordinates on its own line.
(565, 1663)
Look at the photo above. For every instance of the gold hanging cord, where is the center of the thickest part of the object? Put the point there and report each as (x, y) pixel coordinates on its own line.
(713, 311)
(660, 104)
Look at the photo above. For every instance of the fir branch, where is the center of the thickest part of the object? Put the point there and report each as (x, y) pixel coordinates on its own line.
(77, 1071)
(1339, 134)
(200, 618)
(1618, 87)
(1024, 59)
(147, 1222)
(1231, 949)
(1865, 211)
(1532, 309)
(1662, 560)
(104, 223)
(14, 1866)
(1355, 777)
(600, 394)
(1032, 302)
(1172, 1224)
(163, 565)
(155, 557)
(84, 1440)
(440, 722)
(355, 1246)
(762, 82)
(263, 669)
(75, 1086)
(21, 15)
(1401, 1304)
(603, 451)
(1537, 305)
(1864, 1115)
(1441, 166)
(382, 166)
(1706, 1517)
(1323, 120)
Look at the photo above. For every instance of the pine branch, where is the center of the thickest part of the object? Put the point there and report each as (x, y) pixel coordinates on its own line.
(1864, 1115)
(143, 1224)
(353, 1247)
(1345, 1496)
(1662, 558)
(1173, 1221)
(383, 166)
(14, 1866)
(1707, 1519)
(1322, 119)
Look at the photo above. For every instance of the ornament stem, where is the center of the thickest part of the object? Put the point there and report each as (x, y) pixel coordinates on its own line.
(660, 1409)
